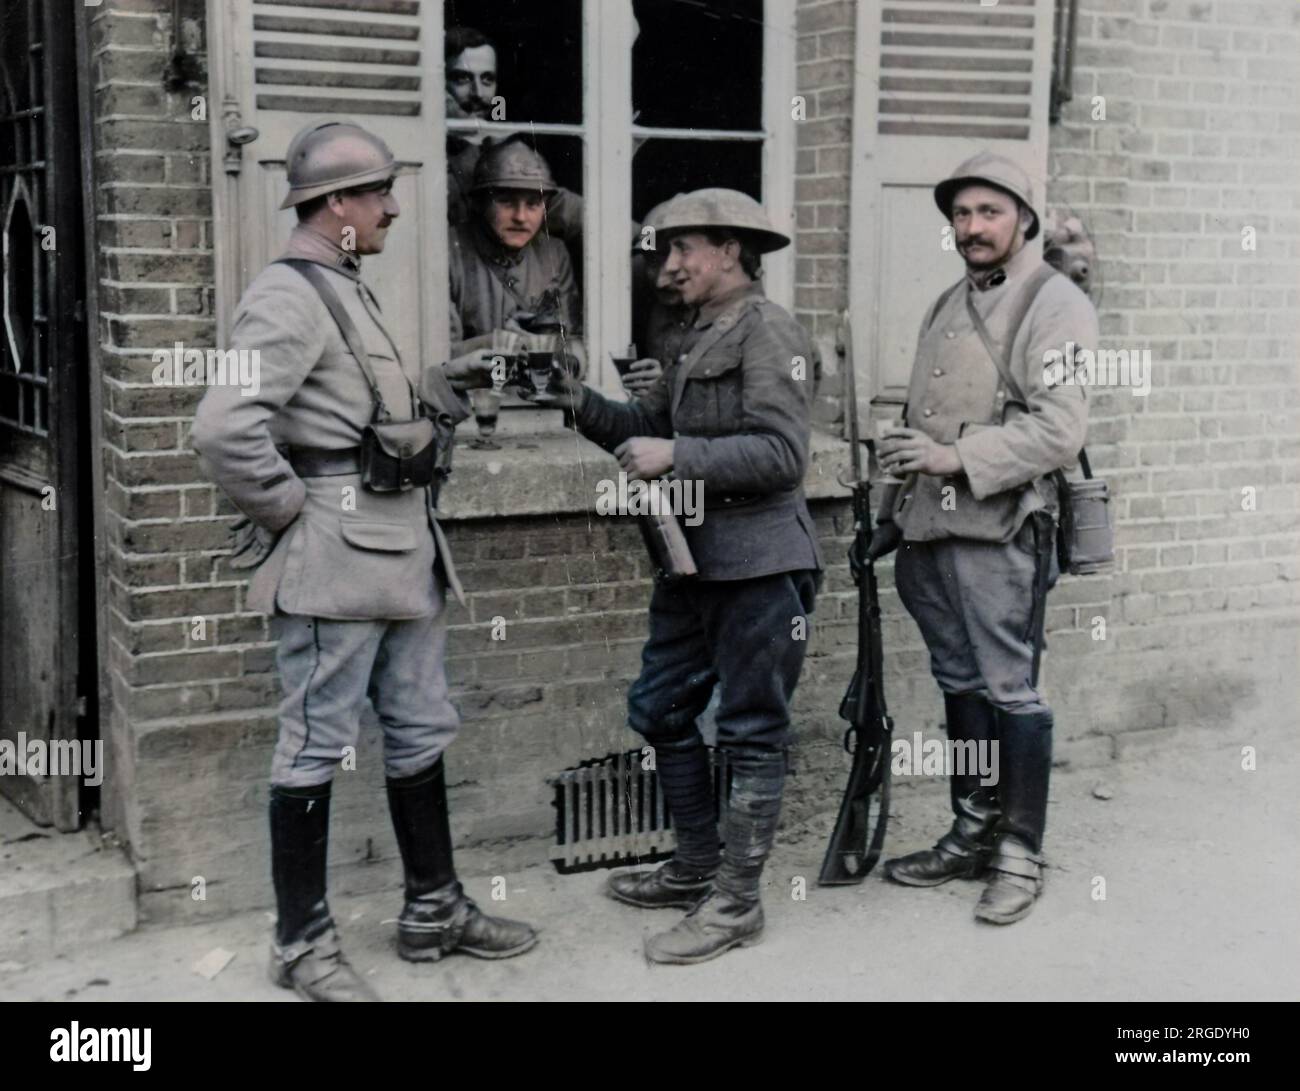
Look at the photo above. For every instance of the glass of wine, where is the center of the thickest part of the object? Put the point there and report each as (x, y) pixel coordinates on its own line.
(487, 405)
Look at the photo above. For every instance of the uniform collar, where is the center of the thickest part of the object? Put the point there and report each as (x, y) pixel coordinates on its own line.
(306, 242)
(727, 308)
(1019, 263)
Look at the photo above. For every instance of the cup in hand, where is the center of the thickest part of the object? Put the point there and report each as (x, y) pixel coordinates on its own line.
(883, 428)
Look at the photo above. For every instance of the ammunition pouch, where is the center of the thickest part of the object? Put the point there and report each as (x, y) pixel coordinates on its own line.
(399, 455)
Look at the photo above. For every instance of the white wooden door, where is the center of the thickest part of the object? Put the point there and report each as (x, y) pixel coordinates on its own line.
(936, 82)
(278, 66)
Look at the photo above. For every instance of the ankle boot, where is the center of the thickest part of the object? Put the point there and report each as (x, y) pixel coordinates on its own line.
(1016, 866)
(305, 952)
(732, 915)
(963, 852)
(683, 769)
(438, 918)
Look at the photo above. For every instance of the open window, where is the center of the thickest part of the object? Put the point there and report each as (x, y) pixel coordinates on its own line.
(628, 103)
(626, 100)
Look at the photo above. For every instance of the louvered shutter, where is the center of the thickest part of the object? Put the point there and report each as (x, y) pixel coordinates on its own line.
(936, 82)
(278, 66)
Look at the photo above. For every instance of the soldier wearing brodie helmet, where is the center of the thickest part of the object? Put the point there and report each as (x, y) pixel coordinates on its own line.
(332, 464)
(731, 412)
(975, 518)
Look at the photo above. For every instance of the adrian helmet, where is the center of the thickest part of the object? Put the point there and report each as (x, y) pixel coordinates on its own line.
(988, 169)
(328, 156)
(512, 164)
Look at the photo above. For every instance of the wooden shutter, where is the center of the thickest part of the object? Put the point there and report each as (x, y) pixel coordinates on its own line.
(936, 82)
(278, 66)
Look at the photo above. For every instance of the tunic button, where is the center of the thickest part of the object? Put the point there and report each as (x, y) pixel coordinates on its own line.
(1002, 393)
(937, 372)
(950, 335)
(928, 413)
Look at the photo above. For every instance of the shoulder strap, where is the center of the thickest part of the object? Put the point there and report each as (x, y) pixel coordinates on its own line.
(1002, 359)
(311, 271)
(938, 306)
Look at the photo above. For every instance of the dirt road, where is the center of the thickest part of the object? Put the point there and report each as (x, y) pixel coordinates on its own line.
(1201, 882)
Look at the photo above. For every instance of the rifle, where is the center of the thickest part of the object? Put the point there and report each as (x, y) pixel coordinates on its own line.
(860, 827)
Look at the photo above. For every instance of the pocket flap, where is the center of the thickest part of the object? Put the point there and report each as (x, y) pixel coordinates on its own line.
(715, 362)
(384, 537)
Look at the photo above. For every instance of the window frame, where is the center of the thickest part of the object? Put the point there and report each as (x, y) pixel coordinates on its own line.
(608, 137)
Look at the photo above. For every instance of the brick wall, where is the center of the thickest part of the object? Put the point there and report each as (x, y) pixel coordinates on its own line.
(152, 201)
(1201, 139)
(1201, 610)
(824, 144)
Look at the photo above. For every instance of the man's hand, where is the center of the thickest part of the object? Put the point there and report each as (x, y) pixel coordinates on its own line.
(645, 457)
(641, 376)
(908, 450)
(470, 371)
(566, 392)
(252, 544)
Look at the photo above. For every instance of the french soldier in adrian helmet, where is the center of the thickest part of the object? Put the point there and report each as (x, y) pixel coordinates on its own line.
(332, 464)
(987, 426)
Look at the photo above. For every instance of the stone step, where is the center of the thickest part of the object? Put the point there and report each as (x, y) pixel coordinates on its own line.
(59, 892)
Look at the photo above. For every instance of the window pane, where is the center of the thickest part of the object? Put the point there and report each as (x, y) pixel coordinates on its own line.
(536, 53)
(662, 167)
(698, 64)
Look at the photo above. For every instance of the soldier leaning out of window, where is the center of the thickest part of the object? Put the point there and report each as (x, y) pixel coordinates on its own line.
(472, 83)
(512, 285)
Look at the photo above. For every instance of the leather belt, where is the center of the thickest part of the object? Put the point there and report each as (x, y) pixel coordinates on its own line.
(325, 462)
(731, 500)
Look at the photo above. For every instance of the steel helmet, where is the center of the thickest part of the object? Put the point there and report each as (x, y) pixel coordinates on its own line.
(705, 209)
(328, 156)
(512, 164)
(990, 169)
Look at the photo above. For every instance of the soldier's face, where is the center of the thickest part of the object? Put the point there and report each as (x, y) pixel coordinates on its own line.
(472, 80)
(369, 213)
(515, 216)
(987, 224)
(696, 267)
(656, 272)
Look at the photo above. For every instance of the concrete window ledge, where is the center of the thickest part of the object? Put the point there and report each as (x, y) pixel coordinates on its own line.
(557, 473)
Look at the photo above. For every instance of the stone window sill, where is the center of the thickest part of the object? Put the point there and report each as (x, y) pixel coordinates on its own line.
(556, 473)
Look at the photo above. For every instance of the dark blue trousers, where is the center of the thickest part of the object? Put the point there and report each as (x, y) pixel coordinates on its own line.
(746, 636)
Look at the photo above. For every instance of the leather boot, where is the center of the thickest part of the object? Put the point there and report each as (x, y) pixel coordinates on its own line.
(963, 851)
(683, 769)
(305, 953)
(1016, 866)
(732, 915)
(438, 918)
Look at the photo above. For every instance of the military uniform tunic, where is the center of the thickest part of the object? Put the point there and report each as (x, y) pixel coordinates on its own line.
(356, 578)
(490, 282)
(966, 568)
(740, 422)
